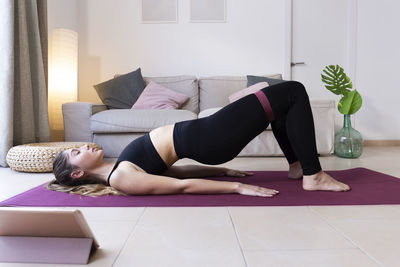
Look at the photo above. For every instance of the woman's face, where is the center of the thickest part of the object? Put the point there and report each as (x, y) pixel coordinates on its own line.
(85, 157)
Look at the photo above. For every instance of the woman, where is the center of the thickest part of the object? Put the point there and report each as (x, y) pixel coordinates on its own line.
(145, 166)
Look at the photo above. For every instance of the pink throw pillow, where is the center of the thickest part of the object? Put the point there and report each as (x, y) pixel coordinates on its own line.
(156, 96)
(246, 91)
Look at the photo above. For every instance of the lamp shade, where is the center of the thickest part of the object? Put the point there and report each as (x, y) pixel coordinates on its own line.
(63, 77)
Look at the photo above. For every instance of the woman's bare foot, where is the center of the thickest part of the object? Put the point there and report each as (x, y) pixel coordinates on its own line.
(323, 181)
(295, 171)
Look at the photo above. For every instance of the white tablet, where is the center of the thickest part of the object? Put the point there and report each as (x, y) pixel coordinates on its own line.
(40, 222)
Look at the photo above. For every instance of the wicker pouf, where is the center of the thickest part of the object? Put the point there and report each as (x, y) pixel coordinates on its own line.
(38, 157)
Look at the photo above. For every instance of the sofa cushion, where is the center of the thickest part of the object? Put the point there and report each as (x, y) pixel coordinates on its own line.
(184, 84)
(214, 91)
(156, 96)
(139, 120)
(251, 80)
(122, 91)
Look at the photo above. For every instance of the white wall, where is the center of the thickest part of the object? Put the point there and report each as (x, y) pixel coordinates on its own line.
(113, 40)
(377, 68)
(62, 14)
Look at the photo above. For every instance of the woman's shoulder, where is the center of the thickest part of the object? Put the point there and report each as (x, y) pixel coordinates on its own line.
(124, 170)
(127, 166)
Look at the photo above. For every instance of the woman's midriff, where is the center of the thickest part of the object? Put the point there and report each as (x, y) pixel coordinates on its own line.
(163, 141)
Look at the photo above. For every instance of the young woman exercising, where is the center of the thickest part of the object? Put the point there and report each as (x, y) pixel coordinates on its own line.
(145, 165)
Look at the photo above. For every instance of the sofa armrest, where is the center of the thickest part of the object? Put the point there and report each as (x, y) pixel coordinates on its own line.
(324, 122)
(76, 117)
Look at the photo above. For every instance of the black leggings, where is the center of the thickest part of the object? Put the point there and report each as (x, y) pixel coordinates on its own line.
(221, 136)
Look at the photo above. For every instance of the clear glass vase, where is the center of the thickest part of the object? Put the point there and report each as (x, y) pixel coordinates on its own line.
(348, 141)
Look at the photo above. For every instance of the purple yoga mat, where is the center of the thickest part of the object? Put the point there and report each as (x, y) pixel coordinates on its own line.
(367, 188)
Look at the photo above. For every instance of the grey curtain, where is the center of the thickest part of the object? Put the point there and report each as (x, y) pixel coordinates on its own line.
(23, 74)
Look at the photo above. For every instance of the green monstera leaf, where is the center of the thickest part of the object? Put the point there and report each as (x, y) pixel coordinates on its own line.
(339, 83)
(336, 80)
(350, 103)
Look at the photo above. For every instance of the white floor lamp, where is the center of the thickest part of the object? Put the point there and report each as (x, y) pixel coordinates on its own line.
(63, 77)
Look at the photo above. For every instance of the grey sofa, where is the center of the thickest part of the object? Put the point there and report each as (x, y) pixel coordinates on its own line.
(114, 129)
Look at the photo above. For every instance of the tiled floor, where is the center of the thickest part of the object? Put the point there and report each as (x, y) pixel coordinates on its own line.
(244, 236)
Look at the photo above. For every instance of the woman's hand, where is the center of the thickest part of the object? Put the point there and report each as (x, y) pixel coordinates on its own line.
(235, 173)
(253, 190)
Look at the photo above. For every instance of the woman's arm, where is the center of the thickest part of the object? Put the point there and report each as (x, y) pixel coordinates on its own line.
(203, 186)
(141, 183)
(191, 171)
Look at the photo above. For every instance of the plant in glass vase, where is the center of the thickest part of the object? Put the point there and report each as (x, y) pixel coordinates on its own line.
(348, 141)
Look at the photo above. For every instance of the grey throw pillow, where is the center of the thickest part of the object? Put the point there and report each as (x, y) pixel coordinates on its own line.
(257, 79)
(122, 91)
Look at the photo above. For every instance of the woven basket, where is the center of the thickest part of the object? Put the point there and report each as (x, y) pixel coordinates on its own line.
(38, 157)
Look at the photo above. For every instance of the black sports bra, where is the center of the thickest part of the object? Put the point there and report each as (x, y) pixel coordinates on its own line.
(141, 152)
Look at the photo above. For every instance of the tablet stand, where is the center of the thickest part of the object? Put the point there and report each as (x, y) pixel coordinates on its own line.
(28, 249)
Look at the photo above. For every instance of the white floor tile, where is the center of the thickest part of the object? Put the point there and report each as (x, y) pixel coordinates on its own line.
(309, 258)
(112, 214)
(361, 212)
(182, 237)
(261, 228)
(378, 238)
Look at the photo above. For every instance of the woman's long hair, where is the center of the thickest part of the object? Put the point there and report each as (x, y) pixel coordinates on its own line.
(88, 186)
